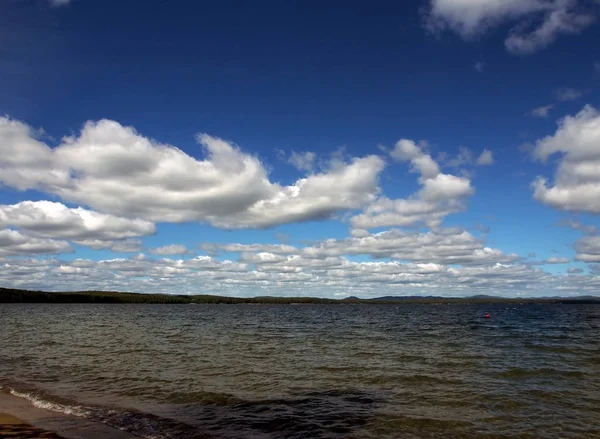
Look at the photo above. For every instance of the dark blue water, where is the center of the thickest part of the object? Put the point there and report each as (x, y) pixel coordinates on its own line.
(311, 371)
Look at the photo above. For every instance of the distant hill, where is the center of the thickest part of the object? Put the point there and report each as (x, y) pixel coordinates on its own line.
(11, 295)
(480, 298)
(402, 298)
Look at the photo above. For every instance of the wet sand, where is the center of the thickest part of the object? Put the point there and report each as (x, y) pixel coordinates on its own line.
(13, 427)
(20, 420)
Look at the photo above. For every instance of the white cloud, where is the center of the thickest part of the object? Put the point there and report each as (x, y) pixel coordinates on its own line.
(318, 196)
(588, 249)
(120, 246)
(576, 185)
(485, 159)
(557, 22)
(443, 246)
(256, 248)
(407, 150)
(440, 195)
(479, 66)
(470, 18)
(541, 112)
(113, 169)
(173, 249)
(303, 161)
(445, 187)
(127, 246)
(403, 213)
(14, 243)
(551, 260)
(292, 275)
(55, 220)
(568, 94)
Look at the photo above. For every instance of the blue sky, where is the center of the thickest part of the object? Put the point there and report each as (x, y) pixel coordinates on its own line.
(445, 147)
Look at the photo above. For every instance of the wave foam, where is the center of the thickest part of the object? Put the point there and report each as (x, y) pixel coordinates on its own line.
(36, 401)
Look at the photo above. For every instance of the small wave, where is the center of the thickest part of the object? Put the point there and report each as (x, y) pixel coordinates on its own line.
(318, 415)
(532, 373)
(145, 425)
(38, 402)
(549, 348)
(49, 343)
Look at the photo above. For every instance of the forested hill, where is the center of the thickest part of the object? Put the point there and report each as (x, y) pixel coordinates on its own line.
(8, 295)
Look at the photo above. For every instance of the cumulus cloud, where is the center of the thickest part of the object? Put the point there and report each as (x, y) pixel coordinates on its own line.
(120, 246)
(318, 196)
(576, 185)
(13, 243)
(300, 274)
(541, 112)
(113, 169)
(173, 249)
(472, 18)
(442, 246)
(588, 249)
(550, 261)
(256, 248)
(55, 220)
(440, 195)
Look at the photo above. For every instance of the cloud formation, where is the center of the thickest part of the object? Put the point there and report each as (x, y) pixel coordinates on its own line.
(128, 182)
(169, 250)
(576, 184)
(440, 194)
(304, 273)
(588, 249)
(471, 18)
(442, 246)
(55, 220)
(115, 170)
(14, 243)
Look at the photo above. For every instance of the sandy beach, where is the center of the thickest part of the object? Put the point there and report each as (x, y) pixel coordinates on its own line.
(19, 419)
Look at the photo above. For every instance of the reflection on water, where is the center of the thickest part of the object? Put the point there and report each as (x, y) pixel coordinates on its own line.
(340, 371)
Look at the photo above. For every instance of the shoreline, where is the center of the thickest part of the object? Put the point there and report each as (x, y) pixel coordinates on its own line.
(19, 415)
(12, 295)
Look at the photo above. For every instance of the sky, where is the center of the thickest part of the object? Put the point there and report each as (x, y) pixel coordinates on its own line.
(301, 148)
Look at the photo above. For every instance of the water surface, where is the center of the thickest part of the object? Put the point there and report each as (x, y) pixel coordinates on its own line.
(311, 371)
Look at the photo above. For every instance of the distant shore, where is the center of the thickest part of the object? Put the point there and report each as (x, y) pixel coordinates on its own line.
(9, 295)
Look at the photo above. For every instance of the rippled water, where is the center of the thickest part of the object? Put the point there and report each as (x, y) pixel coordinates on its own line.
(311, 371)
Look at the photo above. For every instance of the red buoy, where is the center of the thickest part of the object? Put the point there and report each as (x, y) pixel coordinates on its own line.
(486, 315)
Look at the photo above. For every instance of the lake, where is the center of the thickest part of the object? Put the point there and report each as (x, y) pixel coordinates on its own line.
(311, 371)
